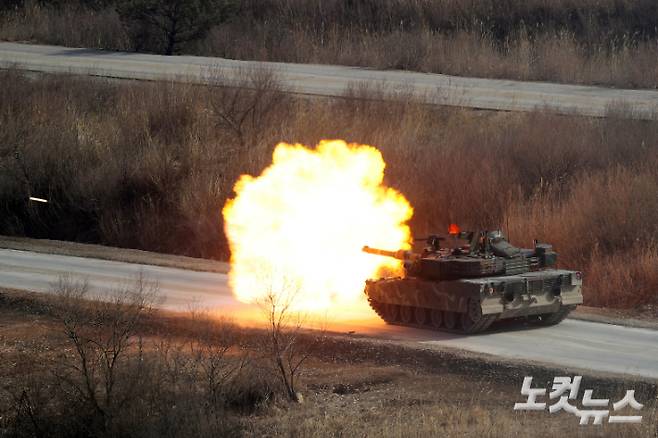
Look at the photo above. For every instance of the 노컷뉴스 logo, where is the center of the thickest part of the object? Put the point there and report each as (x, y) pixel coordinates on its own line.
(566, 389)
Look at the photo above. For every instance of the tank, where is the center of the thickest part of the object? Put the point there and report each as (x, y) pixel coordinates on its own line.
(465, 281)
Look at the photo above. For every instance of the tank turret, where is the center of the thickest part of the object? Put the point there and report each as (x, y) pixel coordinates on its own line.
(486, 253)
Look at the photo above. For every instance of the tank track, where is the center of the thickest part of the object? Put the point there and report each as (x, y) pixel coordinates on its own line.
(478, 326)
(450, 322)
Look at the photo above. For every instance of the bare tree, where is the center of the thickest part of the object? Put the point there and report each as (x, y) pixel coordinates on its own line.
(286, 346)
(250, 105)
(171, 23)
(102, 333)
(209, 348)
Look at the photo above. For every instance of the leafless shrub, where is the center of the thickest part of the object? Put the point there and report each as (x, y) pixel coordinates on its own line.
(284, 346)
(106, 346)
(214, 340)
(246, 109)
(27, 403)
(113, 375)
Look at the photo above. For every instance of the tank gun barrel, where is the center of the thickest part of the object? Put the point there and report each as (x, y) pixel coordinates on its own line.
(399, 254)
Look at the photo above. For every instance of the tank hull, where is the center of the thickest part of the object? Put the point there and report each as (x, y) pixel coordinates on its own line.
(472, 305)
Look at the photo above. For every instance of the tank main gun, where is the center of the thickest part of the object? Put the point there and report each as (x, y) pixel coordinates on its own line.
(433, 246)
(400, 254)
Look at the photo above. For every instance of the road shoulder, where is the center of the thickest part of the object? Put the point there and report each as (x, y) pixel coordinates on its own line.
(638, 318)
(111, 253)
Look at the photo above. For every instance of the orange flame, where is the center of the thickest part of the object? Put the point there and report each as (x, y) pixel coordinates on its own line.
(303, 221)
(453, 229)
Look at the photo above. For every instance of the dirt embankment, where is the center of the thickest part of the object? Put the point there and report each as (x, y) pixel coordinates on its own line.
(349, 387)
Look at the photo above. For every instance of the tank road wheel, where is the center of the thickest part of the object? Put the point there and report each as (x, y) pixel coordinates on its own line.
(472, 320)
(549, 319)
(450, 320)
(436, 318)
(393, 313)
(406, 314)
(420, 315)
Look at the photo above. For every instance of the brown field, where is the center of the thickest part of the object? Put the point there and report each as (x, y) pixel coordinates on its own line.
(148, 166)
(162, 385)
(610, 42)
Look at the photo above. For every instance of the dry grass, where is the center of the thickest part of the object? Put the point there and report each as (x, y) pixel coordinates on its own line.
(594, 42)
(607, 224)
(104, 369)
(72, 26)
(350, 387)
(149, 166)
(558, 57)
(122, 156)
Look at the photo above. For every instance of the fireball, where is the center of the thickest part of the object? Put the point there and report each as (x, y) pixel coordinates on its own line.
(298, 228)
